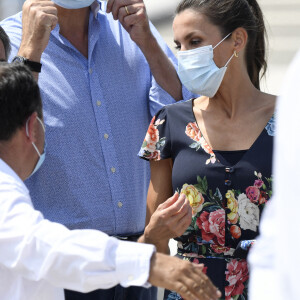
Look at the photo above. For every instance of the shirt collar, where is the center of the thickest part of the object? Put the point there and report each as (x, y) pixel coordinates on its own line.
(94, 7)
(5, 168)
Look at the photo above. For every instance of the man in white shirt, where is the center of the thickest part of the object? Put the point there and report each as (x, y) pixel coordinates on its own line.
(39, 258)
(274, 260)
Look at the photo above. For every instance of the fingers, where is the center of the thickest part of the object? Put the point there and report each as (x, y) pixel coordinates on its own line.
(113, 6)
(178, 207)
(109, 5)
(204, 284)
(184, 222)
(195, 285)
(132, 14)
(48, 17)
(39, 17)
(176, 217)
(169, 201)
(40, 13)
(184, 277)
(43, 3)
(170, 219)
(186, 294)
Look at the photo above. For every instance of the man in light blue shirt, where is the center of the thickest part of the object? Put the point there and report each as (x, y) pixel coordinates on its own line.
(98, 96)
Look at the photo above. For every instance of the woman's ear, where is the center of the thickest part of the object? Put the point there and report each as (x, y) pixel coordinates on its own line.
(30, 127)
(240, 38)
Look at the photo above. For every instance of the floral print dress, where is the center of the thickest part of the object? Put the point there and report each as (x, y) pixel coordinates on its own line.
(227, 199)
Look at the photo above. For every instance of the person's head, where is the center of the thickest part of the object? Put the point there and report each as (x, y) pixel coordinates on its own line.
(4, 45)
(21, 114)
(206, 22)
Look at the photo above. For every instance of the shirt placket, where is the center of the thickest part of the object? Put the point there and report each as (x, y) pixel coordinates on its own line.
(105, 130)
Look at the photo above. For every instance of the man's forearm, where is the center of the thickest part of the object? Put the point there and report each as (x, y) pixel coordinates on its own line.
(39, 17)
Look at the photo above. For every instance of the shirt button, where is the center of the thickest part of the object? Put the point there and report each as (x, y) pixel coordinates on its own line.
(113, 170)
(106, 136)
(98, 103)
(228, 182)
(229, 169)
(227, 211)
(90, 70)
(120, 204)
(130, 277)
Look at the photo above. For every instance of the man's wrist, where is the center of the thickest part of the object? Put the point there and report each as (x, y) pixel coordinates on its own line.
(34, 66)
(30, 52)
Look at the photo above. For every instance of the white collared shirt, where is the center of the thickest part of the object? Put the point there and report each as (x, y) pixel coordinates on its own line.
(274, 260)
(39, 258)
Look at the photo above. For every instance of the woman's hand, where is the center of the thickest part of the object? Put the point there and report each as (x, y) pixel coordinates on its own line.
(170, 220)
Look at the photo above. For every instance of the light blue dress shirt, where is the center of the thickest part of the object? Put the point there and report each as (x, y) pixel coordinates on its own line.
(96, 112)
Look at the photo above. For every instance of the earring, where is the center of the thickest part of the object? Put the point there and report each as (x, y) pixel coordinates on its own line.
(235, 54)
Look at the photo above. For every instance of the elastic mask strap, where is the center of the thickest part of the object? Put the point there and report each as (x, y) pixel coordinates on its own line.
(222, 40)
(36, 149)
(41, 123)
(27, 133)
(229, 60)
(26, 127)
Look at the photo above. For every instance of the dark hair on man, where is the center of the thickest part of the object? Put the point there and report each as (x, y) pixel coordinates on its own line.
(6, 42)
(228, 15)
(19, 98)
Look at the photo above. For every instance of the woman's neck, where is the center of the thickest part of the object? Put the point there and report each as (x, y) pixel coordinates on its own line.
(236, 94)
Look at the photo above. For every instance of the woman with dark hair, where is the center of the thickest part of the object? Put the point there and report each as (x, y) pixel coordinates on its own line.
(215, 149)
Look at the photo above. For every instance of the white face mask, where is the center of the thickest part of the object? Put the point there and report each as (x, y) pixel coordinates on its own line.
(73, 4)
(198, 71)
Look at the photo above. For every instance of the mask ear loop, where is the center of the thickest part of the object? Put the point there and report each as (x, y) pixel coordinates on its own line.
(234, 54)
(222, 40)
(27, 133)
(41, 124)
(229, 60)
(26, 127)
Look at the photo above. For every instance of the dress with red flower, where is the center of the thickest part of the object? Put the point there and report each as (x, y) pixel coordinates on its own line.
(226, 189)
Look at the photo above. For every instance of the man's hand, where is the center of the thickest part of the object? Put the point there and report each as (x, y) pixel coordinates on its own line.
(39, 17)
(170, 220)
(184, 277)
(133, 17)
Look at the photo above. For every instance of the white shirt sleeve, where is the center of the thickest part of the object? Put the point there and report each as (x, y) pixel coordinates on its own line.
(261, 259)
(81, 260)
(274, 262)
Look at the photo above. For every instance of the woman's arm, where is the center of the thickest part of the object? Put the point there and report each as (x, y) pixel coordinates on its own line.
(167, 216)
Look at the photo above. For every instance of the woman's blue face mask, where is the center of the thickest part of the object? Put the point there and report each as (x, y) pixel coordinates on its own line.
(198, 71)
